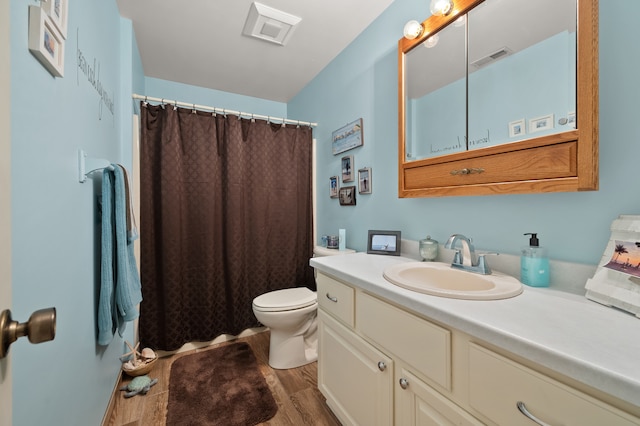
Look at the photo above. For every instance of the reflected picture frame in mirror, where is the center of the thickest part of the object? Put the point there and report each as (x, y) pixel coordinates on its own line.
(509, 159)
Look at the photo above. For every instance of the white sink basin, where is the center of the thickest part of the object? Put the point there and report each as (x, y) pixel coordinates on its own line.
(439, 279)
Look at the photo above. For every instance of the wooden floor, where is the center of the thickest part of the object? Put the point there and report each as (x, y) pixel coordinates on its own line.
(295, 391)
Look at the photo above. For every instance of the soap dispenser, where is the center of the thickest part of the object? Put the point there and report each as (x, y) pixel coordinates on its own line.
(534, 264)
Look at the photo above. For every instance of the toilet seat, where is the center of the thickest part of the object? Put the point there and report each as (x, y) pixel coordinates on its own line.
(285, 300)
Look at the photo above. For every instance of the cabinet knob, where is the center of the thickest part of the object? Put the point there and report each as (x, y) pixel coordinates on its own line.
(523, 410)
(404, 383)
(333, 299)
(382, 366)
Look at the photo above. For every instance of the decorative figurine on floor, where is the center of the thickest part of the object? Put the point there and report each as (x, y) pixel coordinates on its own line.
(140, 384)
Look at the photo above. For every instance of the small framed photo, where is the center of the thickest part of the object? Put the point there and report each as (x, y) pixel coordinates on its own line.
(347, 196)
(57, 11)
(541, 123)
(517, 128)
(347, 168)
(45, 42)
(364, 180)
(333, 187)
(384, 242)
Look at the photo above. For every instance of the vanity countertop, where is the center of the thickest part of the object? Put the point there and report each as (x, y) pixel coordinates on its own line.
(567, 333)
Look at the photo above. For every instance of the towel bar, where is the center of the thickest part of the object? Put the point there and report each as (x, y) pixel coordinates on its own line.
(88, 165)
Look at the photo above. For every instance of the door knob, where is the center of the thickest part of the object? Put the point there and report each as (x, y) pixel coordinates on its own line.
(41, 327)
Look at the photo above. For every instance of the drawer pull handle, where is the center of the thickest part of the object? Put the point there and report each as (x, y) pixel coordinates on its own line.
(523, 410)
(333, 299)
(467, 171)
(404, 383)
(382, 366)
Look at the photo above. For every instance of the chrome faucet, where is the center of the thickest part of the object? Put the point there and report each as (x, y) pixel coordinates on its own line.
(464, 259)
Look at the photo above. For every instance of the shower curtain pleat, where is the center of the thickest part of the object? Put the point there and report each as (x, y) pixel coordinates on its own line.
(226, 215)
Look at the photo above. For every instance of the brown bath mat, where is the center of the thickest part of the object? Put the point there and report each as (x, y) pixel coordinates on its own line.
(222, 386)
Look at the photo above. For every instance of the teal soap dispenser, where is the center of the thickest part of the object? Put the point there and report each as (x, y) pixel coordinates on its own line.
(534, 264)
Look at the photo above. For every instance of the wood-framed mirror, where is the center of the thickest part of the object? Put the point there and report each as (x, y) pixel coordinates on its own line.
(497, 113)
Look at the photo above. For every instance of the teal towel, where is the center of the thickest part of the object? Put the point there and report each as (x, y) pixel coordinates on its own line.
(120, 289)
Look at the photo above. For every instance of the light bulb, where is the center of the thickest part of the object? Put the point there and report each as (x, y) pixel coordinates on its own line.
(412, 29)
(431, 41)
(441, 7)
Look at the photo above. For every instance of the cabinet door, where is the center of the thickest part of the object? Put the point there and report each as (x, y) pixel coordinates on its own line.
(419, 404)
(356, 378)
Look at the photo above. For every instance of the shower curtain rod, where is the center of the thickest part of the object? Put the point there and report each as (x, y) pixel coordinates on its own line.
(222, 110)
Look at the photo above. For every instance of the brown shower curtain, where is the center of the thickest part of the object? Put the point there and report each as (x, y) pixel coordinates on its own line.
(226, 215)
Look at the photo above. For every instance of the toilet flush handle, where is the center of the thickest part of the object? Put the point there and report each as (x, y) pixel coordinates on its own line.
(333, 299)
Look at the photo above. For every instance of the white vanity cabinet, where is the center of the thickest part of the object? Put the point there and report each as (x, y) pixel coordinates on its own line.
(368, 350)
(354, 376)
(379, 364)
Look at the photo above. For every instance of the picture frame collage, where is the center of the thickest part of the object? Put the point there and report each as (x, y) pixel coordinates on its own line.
(47, 34)
(344, 139)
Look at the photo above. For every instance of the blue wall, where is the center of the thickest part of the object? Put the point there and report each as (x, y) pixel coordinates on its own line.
(215, 98)
(362, 82)
(55, 224)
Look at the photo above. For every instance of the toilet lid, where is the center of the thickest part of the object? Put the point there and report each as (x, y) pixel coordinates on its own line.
(286, 299)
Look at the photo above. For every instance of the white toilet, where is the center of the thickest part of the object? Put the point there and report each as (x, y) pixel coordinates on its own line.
(291, 315)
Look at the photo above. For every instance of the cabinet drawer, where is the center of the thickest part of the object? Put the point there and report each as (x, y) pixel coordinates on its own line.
(336, 298)
(497, 384)
(548, 162)
(424, 346)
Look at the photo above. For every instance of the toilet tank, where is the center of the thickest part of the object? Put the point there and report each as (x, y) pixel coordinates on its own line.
(319, 251)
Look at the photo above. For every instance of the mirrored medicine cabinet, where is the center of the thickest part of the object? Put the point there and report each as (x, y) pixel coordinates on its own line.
(500, 97)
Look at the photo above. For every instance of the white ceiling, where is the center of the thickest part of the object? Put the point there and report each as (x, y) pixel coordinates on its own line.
(200, 42)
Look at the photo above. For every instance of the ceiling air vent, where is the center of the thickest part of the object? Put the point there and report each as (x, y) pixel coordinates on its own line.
(269, 24)
(500, 53)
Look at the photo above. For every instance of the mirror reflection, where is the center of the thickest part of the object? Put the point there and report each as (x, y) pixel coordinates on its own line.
(503, 73)
(436, 95)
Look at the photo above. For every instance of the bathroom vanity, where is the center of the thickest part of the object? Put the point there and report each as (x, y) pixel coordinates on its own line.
(389, 355)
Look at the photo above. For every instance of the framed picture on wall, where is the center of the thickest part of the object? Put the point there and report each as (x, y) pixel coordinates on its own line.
(57, 11)
(517, 128)
(333, 187)
(45, 41)
(347, 168)
(541, 123)
(347, 196)
(347, 137)
(364, 180)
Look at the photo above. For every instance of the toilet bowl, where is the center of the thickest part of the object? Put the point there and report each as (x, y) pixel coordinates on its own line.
(291, 315)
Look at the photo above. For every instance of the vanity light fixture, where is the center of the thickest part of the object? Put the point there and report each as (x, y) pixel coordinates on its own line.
(412, 29)
(441, 7)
